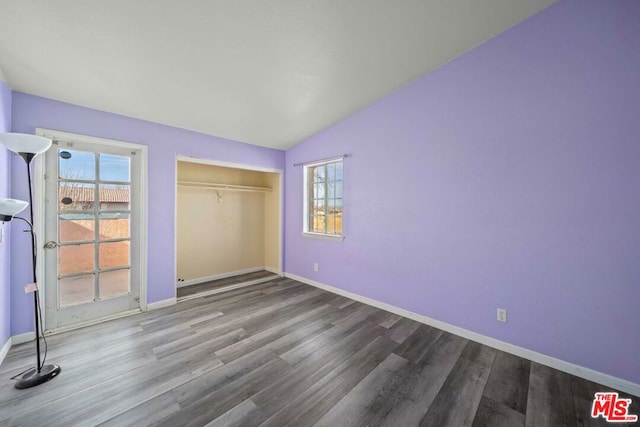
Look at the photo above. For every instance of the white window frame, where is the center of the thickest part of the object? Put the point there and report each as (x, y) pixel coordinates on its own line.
(305, 229)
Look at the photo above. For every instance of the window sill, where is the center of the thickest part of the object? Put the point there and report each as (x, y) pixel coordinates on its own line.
(319, 236)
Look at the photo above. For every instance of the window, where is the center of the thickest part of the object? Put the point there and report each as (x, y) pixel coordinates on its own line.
(323, 199)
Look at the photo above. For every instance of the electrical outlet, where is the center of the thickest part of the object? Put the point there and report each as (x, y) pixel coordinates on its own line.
(502, 315)
(315, 266)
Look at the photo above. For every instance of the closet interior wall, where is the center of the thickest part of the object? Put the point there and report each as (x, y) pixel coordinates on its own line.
(224, 232)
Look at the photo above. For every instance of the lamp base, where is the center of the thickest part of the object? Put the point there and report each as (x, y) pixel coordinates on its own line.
(33, 378)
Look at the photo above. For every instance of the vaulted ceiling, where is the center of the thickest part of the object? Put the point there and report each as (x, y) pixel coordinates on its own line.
(266, 72)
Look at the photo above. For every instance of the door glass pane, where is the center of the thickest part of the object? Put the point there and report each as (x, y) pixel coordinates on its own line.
(114, 283)
(114, 197)
(77, 165)
(114, 225)
(74, 227)
(75, 258)
(75, 196)
(114, 168)
(115, 254)
(76, 290)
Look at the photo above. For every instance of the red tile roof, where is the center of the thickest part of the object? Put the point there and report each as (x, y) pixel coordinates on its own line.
(86, 194)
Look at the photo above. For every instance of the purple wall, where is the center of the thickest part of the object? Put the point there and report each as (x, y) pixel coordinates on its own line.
(5, 191)
(164, 143)
(506, 178)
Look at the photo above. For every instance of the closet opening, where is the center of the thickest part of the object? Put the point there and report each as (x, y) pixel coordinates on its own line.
(228, 226)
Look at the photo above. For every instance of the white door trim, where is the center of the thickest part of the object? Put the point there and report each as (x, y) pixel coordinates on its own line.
(39, 198)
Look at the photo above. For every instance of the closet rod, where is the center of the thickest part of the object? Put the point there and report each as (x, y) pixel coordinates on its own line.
(229, 187)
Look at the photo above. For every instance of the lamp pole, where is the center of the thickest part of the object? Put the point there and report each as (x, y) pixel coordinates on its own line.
(29, 146)
(27, 158)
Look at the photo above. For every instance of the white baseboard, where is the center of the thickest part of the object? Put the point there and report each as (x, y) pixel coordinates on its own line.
(273, 270)
(543, 359)
(5, 349)
(22, 338)
(206, 279)
(161, 304)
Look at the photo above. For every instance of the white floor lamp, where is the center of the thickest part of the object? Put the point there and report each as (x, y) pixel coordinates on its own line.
(28, 146)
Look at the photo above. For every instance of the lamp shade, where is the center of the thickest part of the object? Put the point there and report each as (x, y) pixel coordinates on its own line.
(25, 143)
(11, 207)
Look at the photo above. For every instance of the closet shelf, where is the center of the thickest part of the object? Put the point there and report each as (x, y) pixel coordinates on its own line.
(224, 187)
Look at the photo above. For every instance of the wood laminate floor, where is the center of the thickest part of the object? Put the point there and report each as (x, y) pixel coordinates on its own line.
(284, 353)
(221, 284)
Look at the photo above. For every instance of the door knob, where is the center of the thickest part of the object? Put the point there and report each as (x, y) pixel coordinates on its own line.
(51, 244)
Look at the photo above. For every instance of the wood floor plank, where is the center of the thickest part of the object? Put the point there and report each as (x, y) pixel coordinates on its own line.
(254, 294)
(549, 401)
(346, 303)
(405, 402)
(283, 315)
(200, 347)
(493, 414)
(311, 405)
(244, 316)
(458, 400)
(261, 303)
(418, 343)
(267, 336)
(319, 344)
(282, 296)
(239, 415)
(402, 330)
(353, 315)
(297, 335)
(352, 408)
(390, 320)
(336, 300)
(149, 412)
(202, 411)
(190, 392)
(509, 381)
(313, 369)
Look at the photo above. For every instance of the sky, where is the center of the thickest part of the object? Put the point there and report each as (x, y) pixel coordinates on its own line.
(82, 165)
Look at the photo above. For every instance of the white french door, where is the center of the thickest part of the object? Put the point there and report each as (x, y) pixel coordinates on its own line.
(92, 235)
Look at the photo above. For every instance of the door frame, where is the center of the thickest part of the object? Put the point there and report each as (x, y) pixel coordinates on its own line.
(39, 214)
(212, 162)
